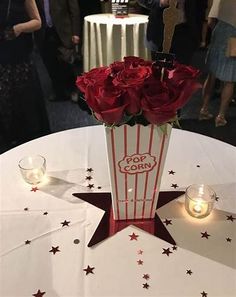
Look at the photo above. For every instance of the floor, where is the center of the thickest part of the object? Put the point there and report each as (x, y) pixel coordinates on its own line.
(67, 114)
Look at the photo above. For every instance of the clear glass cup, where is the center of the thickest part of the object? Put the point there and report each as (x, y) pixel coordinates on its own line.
(33, 169)
(199, 200)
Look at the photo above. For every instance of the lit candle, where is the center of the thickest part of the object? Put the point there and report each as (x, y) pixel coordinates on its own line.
(199, 200)
(197, 208)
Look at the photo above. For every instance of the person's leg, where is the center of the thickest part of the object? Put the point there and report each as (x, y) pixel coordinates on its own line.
(226, 96)
(204, 32)
(233, 100)
(206, 95)
(53, 65)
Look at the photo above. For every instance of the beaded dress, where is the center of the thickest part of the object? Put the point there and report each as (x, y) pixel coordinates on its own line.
(23, 114)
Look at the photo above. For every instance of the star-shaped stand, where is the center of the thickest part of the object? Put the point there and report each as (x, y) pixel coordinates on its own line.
(108, 226)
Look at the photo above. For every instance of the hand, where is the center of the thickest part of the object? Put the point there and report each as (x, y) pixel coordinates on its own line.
(17, 30)
(9, 33)
(75, 39)
(211, 22)
(164, 3)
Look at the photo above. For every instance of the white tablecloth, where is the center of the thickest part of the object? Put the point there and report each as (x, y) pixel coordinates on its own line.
(45, 231)
(108, 39)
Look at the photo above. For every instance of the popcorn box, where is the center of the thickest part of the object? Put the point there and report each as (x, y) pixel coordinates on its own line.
(136, 157)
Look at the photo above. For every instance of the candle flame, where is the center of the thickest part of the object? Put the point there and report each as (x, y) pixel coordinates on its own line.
(197, 208)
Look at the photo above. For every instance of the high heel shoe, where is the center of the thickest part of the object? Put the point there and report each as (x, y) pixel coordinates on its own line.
(220, 121)
(205, 115)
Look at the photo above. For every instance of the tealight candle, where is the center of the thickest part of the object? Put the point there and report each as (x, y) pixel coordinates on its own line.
(199, 200)
(33, 169)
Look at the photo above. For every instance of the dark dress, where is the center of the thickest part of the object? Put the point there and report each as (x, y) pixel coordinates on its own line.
(23, 114)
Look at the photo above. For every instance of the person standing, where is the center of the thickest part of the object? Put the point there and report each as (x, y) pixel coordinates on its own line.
(23, 115)
(87, 8)
(186, 37)
(56, 41)
(155, 27)
(221, 65)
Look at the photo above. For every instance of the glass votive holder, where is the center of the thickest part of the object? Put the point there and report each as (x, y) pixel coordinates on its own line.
(199, 200)
(33, 168)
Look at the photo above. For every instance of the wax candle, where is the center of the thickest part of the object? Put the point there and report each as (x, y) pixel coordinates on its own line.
(199, 200)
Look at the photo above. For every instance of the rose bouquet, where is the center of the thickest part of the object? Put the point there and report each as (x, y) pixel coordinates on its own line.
(136, 100)
(136, 91)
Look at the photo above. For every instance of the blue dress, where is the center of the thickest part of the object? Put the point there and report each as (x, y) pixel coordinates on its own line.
(221, 66)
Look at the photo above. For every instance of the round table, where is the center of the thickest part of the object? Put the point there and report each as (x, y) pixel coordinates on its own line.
(45, 229)
(108, 39)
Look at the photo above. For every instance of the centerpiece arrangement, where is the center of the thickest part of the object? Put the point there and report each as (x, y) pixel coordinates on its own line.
(137, 101)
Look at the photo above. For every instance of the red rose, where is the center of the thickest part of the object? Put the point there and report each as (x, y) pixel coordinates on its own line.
(186, 90)
(132, 77)
(156, 101)
(161, 100)
(130, 80)
(133, 61)
(95, 75)
(132, 97)
(106, 103)
(134, 85)
(182, 73)
(116, 67)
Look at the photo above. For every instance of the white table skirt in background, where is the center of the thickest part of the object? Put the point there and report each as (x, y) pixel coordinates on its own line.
(108, 39)
(45, 231)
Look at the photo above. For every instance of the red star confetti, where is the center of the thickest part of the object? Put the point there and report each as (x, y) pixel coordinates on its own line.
(146, 286)
(89, 169)
(198, 166)
(189, 272)
(27, 241)
(54, 250)
(174, 186)
(204, 294)
(146, 276)
(34, 189)
(140, 252)
(166, 252)
(140, 262)
(230, 218)
(99, 187)
(228, 239)
(39, 294)
(65, 223)
(88, 177)
(174, 248)
(89, 270)
(171, 172)
(90, 186)
(167, 222)
(133, 236)
(26, 209)
(45, 213)
(205, 235)
(217, 198)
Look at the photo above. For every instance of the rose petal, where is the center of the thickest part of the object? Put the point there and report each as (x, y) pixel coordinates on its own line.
(112, 116)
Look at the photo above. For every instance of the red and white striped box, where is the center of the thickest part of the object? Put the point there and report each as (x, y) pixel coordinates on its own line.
(136, 157)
